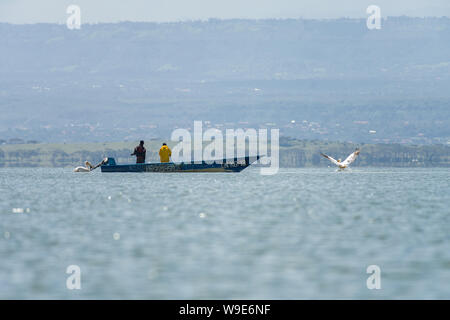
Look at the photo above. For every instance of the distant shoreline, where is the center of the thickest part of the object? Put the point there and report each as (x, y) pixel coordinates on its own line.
(293, 154)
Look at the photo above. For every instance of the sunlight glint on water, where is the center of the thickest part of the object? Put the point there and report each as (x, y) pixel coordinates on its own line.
(303, 233)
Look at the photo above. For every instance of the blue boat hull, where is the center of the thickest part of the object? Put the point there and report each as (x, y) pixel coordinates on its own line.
(223, 166)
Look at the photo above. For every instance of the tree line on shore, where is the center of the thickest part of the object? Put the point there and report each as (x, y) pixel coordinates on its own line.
(293, 153)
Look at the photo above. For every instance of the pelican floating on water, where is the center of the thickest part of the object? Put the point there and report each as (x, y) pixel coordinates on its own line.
(343, 164)
(88, 166)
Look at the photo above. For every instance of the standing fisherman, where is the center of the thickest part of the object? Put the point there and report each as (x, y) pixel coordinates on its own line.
(165, 153)
(139, 152)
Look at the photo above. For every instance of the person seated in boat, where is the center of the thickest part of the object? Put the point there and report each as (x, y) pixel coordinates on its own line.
(165, 153)
(139, 152)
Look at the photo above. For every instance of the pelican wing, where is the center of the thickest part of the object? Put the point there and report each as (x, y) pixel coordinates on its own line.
(330, 158)
(351, 158)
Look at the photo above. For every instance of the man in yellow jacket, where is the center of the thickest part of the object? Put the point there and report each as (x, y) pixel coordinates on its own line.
(165, 153)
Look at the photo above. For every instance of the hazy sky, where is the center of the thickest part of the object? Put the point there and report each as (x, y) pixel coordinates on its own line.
(32, 11)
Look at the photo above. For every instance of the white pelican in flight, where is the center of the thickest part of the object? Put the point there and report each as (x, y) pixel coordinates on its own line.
(343, 164)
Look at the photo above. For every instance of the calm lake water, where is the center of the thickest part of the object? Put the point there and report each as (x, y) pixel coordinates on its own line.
(300, 234)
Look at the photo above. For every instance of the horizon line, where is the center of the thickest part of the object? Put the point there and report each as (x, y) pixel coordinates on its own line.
(225, 20)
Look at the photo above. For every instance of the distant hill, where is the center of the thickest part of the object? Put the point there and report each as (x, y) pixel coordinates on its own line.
(335, 78)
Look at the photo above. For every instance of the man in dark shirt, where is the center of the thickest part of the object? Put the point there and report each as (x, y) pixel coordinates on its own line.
(139, 152)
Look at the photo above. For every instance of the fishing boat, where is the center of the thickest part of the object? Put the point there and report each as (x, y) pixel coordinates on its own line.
(225, 165)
